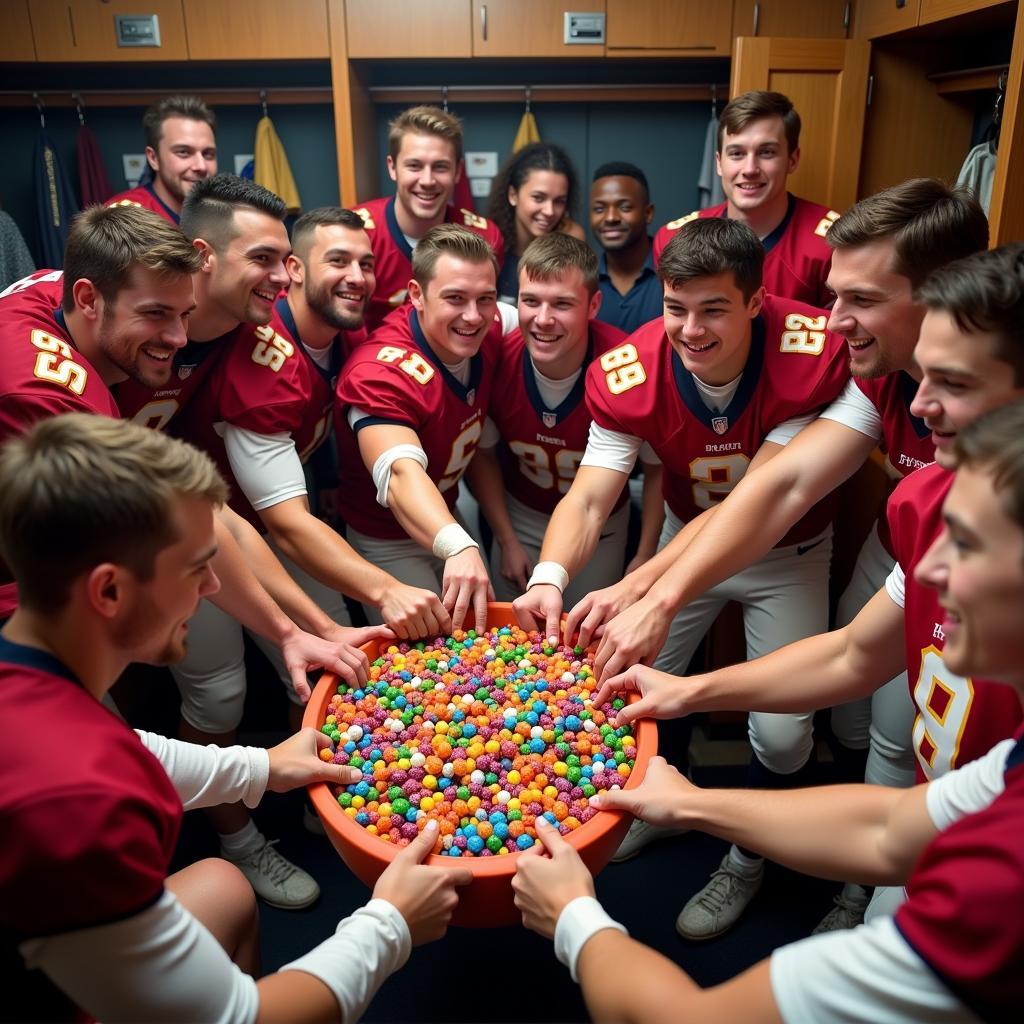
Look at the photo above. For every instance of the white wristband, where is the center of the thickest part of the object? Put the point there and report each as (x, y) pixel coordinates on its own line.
(381, 471)
(450, 540)
(549, 572)
(580, 920)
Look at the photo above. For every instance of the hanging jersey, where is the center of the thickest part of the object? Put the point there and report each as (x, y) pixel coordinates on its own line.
(393, 254)
(796, 256)
(963, 912)
(795, 367)
(541, 448)
(146, 197)
(267, 383)
(88, 835)
(397, 378)
(958, 718)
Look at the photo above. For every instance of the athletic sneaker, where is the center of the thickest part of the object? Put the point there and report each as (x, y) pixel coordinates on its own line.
(846, 913)
(639, 835)
(275, 879)
(717, 907)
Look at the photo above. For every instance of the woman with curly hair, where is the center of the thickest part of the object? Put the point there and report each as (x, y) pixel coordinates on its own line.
(534, 194)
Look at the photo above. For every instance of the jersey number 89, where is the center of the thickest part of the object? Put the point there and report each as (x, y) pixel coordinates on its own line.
(622, 369)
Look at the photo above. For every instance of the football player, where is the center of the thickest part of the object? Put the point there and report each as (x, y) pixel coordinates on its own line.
(952, 952)
(180, 150)
(537, 422)
(758, 149)
(425, 162)
(410, 411)
(727, 376)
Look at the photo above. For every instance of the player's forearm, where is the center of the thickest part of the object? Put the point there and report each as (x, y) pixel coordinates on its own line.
(417, 504)
(573, 532)
(653, 512)
(484, 478)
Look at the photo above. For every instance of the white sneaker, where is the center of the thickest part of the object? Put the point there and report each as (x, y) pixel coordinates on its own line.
(717, 907)
(639, 835)
(276, 879)
(846, 913)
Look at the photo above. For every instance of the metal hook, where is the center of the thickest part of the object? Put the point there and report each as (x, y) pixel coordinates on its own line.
(714, 99)
(79, 106)
(39, 107)
(444, 98)
(529, 92)
(263, 101)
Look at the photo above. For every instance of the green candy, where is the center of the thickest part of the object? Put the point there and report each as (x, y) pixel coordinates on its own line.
(494, 844)
(400, 806)
(345, 799)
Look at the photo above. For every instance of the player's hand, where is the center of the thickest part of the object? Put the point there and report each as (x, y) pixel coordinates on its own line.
(661, 695)
(590, 615)
(549, 877)
(303, 652)
(425, 896)
(516, 565)
(296, 762)
(540, 608)
(349, 640)
(635, 635)
(466, 584)
(661, 799)
(414, 613)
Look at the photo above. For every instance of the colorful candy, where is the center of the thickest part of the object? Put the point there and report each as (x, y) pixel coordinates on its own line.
(482, 733)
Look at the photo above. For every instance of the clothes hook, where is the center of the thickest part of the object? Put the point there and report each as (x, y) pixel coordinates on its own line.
(714, 99)
(528, 94)
(39, 107)
(444, 98)
(263, 101)
(79, 106)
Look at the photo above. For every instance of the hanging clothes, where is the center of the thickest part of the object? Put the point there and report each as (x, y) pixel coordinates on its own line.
(272, 169)
(15, 259)
(528, 132)
(55, 202)
(709, 184)
(978, 171)
(93, 183)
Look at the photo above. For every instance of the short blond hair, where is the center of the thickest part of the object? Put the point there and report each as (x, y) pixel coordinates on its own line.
(424, 121)
(552, 255)
(449, 240)
(78, 490)
(106, 243)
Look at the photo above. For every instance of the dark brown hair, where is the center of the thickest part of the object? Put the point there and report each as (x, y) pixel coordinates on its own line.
(755, 105)
(452, 240)
(190, 107)
(708, 246)
(551, 255)
(995, 442)
(323, 216)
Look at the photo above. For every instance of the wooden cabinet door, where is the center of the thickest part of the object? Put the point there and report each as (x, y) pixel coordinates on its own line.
(257, 29)
(820, 19)
(876, 18)
(827, 81)
(16, 39)
(528, 28)
(654, 28)
(939, 10)
(85, 30)
(398, 28)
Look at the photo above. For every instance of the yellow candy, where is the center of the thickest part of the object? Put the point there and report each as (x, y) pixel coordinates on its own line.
(385, 808)
(514, 804)
(492, 746)
(429, 782)
(623, 770)
(358, 803)
(404, 763)
(550, 791)
(372, 829)
(350, 811)
(514, 778)
(427, 803)
(560, 767)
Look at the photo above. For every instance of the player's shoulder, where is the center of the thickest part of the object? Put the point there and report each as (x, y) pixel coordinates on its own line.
(921, 489)
(130, 197)
(674, 225)
(798, 328)
(812, 219)
(606, 336)
(372, 212)
(46, 286)
(631, 363)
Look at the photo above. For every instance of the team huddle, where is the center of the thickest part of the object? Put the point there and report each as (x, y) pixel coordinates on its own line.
(162, 396)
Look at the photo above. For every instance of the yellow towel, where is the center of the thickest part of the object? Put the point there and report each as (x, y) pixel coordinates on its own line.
(271, 166)
(527, 133)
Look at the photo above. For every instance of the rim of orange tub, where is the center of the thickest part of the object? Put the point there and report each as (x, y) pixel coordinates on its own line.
(487, 900)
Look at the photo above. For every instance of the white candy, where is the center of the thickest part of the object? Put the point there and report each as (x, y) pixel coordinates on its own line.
(396, 725)
(442, 666)
(420, 814)
(415, 681)
(535, 732)
(525, 663)
(491, 651)
(446, 841)
(417, 759)
(427, 726)
(552, 641)
(438, 686)
(468, 698)
(480, 814)
(448, 771)
(568, 677)
(588, 724)
(503, 797)
(597, 768)
(355, 733)
(477, 776)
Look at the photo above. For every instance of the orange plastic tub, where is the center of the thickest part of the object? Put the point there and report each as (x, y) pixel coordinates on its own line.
(487, 901)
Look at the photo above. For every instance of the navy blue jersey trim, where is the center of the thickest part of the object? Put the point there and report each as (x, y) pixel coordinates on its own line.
(908, 388)
(175, 218)
(34, 658)
(571, 400)
(396, 233)
(330, 373)
(770, 241)
(376, 421)
(476, 365)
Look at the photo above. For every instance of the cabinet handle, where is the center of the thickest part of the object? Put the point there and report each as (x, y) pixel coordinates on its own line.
(846, 17)
(757, 18)
(71, 25)
(483, 21)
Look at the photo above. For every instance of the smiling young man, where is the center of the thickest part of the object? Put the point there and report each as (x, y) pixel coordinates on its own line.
(952, 952)
(424, 162)
(410, 411)
(180, 150)
(537, 421)
(758, 149)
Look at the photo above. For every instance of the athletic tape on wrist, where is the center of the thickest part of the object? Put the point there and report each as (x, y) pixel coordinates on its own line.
(580, 920)
(549, 572)
(450, 540)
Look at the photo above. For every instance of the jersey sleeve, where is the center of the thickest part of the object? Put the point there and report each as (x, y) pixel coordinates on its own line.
(855, 410)
(266, 466)
(383, 391)
(968, 789)
(19, 411)
(896, 586)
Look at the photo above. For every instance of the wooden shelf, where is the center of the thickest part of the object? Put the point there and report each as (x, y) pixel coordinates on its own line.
(948, 83)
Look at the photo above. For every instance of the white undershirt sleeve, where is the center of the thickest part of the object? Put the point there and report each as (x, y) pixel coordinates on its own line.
(159, 965)
(784, 432)
(206, 776)
(869, 973)
(608, 449)
(968, 789)
(509, 318)
(648, 456)
(490, 436)
(895, 585)
(855, 410)
(266, 466)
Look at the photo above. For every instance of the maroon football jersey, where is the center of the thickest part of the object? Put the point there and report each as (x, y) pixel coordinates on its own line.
(795, 367)
(397, 378)
(269, 384)
(393, 254)
(958, 719)
(796, 256)
(541, 448)
(146, 197)
(963, 912)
